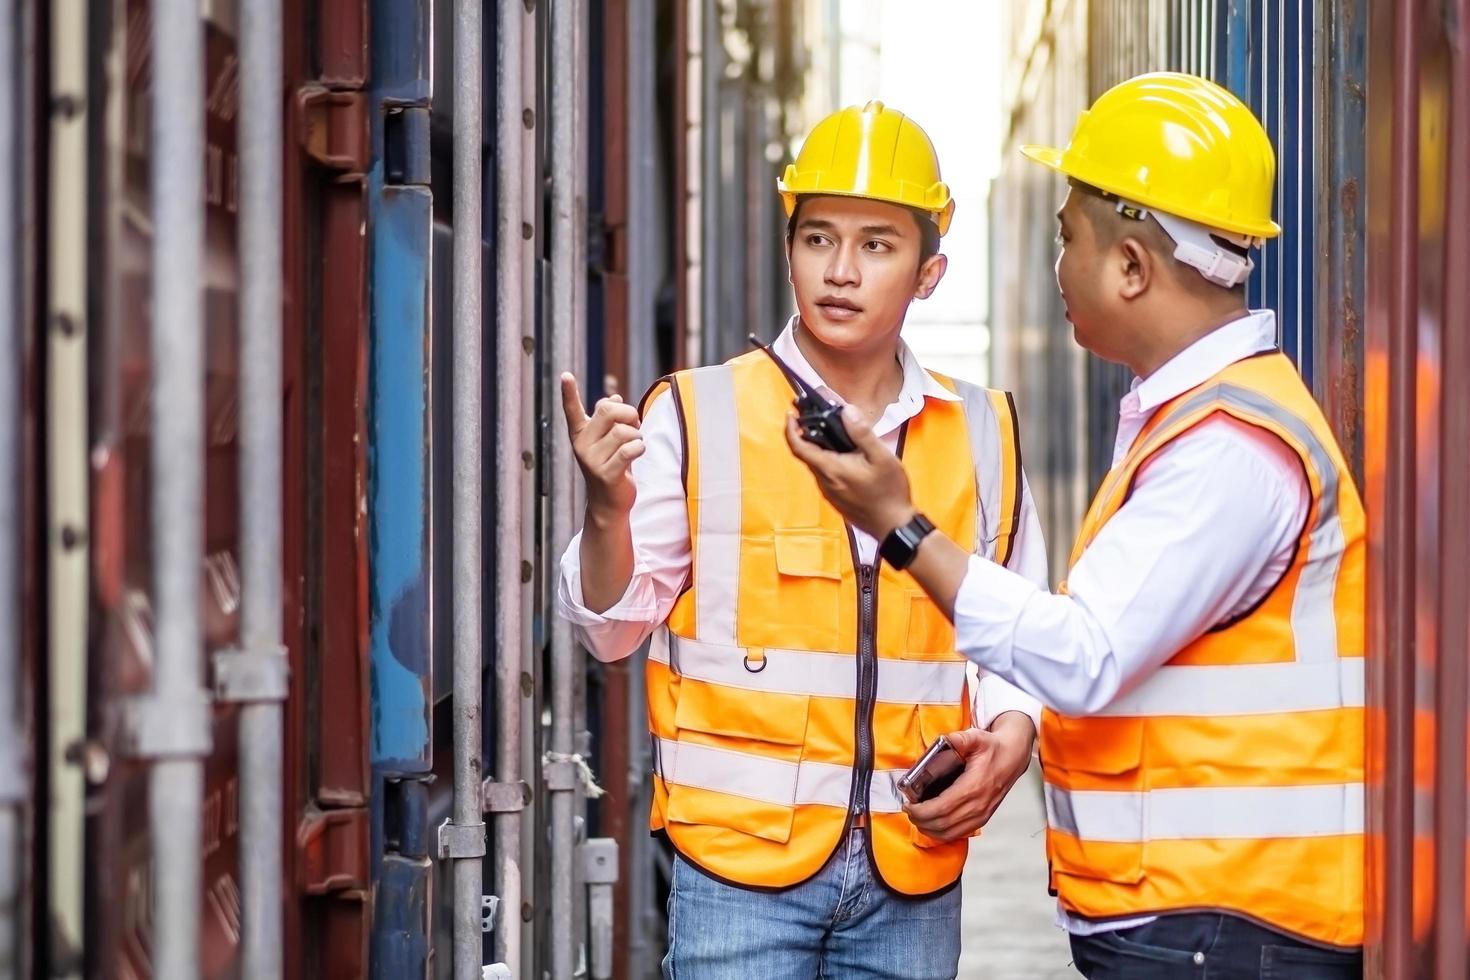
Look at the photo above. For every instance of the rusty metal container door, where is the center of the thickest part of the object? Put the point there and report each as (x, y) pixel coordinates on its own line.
(1417, 464)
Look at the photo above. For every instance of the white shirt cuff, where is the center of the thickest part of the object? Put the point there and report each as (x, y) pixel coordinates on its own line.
(986, 609)
(998, 696)
(637, 604)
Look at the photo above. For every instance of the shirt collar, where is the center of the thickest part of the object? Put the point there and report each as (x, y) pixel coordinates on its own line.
(918, 383)
(1214, 352)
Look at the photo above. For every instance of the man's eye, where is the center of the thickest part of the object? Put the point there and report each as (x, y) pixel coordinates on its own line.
(816, 241)
(877, 246)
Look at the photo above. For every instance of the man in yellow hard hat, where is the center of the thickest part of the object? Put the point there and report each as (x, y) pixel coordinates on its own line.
(792, 678)
(1203, 665)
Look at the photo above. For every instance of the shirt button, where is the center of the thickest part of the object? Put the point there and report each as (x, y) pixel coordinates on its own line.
(1199, 959)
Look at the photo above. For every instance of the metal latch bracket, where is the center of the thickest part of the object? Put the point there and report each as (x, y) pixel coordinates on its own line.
(489, 906)
(461, 840)
(172, 725)
(504, 797)
(243, 676)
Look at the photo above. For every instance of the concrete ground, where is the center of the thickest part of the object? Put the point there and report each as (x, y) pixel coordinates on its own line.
(1008, 916)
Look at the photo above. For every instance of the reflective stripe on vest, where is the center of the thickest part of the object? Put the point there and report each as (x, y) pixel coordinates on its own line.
(1207, 813)
(716, 565)
(1232, 776)
(1221, 690)
(807, 672)
(756, 777)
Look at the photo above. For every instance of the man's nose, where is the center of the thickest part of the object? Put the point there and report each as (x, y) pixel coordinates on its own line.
(843, 269)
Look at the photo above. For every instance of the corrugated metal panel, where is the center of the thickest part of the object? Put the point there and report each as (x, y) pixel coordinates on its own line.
(1272, 45)
(1339, 125)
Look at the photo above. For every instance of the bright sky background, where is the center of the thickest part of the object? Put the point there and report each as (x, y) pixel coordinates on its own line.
(939, 61)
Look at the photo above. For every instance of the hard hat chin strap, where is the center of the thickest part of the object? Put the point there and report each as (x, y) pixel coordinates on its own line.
(1221, 257)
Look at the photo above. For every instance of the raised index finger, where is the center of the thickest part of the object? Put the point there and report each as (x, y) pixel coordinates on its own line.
(571, 404)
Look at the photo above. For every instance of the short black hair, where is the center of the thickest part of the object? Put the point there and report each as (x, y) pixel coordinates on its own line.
(928, 230)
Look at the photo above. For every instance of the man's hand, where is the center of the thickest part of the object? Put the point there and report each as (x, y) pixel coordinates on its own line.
(868, 487)
(994, 760)
(605, 444)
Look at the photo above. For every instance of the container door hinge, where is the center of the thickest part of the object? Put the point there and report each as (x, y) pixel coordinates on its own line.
(333, 849)
(334, 129)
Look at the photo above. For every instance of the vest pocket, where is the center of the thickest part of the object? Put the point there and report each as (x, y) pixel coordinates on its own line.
(738, 769)
(1096, 807)
(806, 605)
(743, 716)
(930, 635)
(705, 808)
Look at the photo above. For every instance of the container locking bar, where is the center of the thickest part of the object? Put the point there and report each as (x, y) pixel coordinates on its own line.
(599, 857)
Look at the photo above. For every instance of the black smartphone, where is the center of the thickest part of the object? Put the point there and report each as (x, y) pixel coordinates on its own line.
(819, 419)
(933, 774)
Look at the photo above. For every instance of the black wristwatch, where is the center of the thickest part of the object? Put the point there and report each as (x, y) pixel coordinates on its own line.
(902, 543)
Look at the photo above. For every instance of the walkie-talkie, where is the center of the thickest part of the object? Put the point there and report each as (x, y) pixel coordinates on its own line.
(819, 419)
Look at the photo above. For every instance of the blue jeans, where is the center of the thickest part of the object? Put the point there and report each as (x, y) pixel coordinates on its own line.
(842, 923)
(1209, 946)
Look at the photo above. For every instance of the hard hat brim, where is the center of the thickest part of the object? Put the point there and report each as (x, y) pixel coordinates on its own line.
(1047, 156)
(1051, 158)
(941, 218)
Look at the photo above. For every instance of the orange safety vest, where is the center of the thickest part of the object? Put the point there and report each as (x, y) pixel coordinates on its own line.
(1231, 778)
(791, 683)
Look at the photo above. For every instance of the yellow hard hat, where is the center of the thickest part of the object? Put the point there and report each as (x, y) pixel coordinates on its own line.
(1176, 143)
(873, 152)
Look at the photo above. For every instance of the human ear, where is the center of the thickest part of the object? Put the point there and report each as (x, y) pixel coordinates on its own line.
(1137, 266)
(930, 272)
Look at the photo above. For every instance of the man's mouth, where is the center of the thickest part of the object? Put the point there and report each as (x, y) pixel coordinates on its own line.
(838, 307)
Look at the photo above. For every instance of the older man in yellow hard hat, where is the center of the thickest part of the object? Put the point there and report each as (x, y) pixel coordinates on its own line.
(1203, 669)
(792, 679)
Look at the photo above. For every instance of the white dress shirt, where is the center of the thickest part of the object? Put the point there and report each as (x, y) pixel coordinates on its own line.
(660, 531)
(1209, 528)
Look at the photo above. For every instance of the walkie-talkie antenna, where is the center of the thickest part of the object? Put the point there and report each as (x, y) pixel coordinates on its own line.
(801, 390)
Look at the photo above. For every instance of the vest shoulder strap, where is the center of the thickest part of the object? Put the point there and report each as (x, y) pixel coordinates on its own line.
(660, 386)
(995, 445)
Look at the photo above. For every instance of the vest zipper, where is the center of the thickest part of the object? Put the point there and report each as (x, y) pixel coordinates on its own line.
(867, 686)
(867, 674)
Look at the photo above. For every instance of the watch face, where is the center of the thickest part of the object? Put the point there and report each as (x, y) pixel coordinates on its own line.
(898, 547)
(902, 543)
